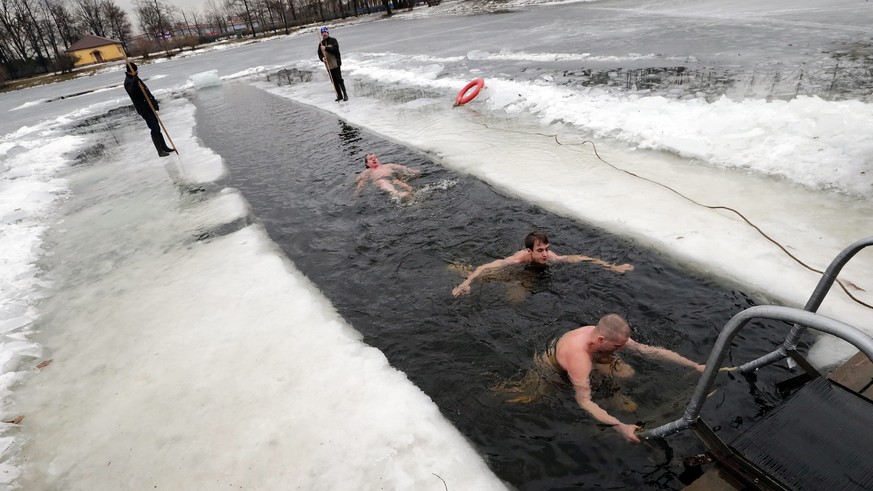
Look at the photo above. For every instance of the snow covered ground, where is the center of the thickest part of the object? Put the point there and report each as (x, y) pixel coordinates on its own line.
(228, 368)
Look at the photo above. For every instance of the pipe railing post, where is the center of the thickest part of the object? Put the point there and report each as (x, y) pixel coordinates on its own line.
(772, 312)
(821, 290)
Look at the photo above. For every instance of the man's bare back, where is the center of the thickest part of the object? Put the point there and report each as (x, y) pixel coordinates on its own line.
(585, 348)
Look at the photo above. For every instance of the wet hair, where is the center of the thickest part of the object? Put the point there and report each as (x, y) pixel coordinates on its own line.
(366, 157)
(532, 238)
(613, 327)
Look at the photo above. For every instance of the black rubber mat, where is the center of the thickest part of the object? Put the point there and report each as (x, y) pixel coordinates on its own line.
(820, 439)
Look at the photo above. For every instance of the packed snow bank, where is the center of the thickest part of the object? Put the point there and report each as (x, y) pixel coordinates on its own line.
(190, 363)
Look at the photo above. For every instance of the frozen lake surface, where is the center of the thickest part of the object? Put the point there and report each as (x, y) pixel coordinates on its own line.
(169, 312)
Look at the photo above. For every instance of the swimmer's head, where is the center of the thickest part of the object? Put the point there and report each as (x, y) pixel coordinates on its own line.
(612, 332)
(534, 237)
(371, 160)
(538, 245)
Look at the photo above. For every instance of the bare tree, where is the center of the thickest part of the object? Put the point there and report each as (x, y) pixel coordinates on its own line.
(14, 31)
(278, 6)
(155, 19)
(64, 21)
(30, 41)
(51, 38)
(242, 8)
(52, 32)
(91, 15)
(265, 15)
(216, 15)
(196, 22)
(291, 8)
(119, 27)
(35, 35)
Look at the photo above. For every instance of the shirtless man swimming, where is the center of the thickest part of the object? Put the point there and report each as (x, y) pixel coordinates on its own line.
(593, 348)
(384, 176)
(538, 253)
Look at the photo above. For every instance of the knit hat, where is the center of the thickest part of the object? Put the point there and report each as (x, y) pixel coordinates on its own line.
(324, 29)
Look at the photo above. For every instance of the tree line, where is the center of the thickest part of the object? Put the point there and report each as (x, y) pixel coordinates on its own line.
(35, 34)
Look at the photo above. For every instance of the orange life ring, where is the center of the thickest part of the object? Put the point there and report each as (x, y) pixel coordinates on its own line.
(462, 99)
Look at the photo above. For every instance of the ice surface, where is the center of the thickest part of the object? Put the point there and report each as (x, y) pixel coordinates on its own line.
(188, 363)
(192, 363)
(205, 79)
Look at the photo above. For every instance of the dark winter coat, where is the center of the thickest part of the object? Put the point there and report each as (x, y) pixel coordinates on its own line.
(332, 50)
(131, 85)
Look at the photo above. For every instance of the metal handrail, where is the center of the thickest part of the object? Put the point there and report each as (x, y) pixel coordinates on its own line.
(797, 316)
(812, 305)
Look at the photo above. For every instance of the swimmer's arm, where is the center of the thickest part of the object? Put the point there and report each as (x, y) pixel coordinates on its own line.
(618, 268)
(464, 287)
(663, 354)
(361, 180)
(579, 377)
(405, 170)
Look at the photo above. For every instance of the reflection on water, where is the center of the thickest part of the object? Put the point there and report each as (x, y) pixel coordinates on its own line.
(350, 139)
(388, 270)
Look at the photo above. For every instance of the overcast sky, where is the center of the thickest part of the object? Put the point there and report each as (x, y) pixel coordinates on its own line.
(186, 5)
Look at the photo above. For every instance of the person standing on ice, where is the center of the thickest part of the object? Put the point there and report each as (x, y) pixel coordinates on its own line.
(329, 53)
(138, 92)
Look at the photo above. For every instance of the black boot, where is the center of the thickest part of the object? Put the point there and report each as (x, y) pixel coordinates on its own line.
(343, 87)
(160, 146)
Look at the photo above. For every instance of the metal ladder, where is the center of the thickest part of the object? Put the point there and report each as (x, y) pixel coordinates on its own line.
(756, 473)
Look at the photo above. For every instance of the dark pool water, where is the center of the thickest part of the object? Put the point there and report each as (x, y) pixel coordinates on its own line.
(384, 266)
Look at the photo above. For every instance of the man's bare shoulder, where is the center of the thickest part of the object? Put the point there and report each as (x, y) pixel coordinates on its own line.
(520, 257)
(580, 334)
(575, 340)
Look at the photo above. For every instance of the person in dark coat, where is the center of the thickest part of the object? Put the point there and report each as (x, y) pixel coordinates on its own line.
(329, 52)
(138, 91)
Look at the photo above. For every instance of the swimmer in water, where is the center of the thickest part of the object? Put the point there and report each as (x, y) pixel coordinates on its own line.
(575, 357)
(386, 177)
(536, 254)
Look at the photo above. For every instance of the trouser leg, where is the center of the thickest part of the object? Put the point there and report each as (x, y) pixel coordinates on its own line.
(338, 84)
(157, 137)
